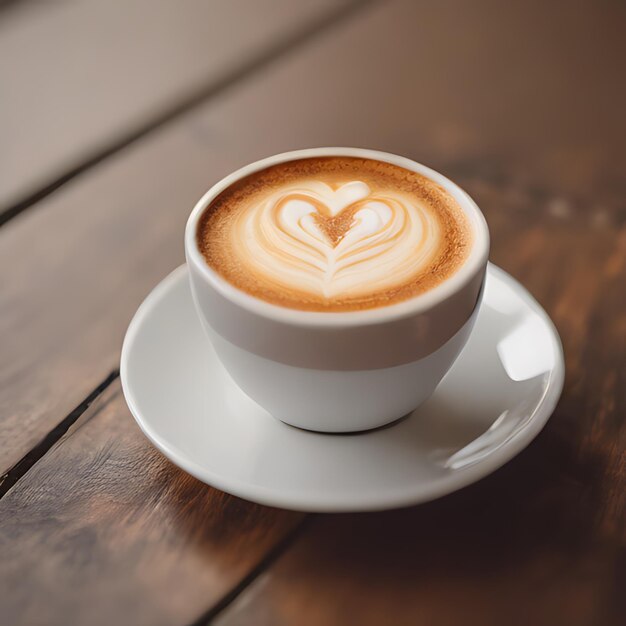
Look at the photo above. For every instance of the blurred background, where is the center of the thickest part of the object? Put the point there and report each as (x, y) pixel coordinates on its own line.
(469, 87)
(116, 116)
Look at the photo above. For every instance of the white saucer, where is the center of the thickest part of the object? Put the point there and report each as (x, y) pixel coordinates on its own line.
(493, 402)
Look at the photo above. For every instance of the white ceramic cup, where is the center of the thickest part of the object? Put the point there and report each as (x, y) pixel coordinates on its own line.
(343, 371)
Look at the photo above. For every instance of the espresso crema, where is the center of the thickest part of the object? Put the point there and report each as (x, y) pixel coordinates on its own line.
(334, 234)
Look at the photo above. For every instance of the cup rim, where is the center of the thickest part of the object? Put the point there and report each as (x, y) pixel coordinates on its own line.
(420, 303)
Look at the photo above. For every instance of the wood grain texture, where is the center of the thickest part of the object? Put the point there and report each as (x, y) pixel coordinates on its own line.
(542, 541)
(533, 127)
(79, 76)
(104, 240)
(67, 302)
(105, 530)
(526, 91)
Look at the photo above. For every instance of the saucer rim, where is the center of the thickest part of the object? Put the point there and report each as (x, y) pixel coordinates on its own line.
(324, 502)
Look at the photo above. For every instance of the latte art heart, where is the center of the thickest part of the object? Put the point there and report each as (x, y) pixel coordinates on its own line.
(324, 241)
(334, 234)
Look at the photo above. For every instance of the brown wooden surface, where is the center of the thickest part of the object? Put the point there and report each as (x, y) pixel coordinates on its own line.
(144, 194)
(79, 76)
(61, 321)
(105, 530)
(539, 542)
(522, 103)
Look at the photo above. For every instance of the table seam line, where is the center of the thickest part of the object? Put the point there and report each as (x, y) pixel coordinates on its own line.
(263, 565)
(20, 469)
(194, 99)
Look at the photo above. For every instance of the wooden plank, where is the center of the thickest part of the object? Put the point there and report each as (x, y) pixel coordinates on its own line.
(88, 254)
(119, 227)
(104, 530)
(65, 307)
(49, 297)
(461, 88)
(539, 542)
(77, 77)
(97, 246)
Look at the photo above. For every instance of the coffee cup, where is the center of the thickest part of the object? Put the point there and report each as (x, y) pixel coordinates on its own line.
(339, 371)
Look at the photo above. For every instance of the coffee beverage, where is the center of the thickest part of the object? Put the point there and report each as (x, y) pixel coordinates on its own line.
(377, 265)
(334, 234)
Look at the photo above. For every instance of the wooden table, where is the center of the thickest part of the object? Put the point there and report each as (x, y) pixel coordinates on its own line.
(116, 116)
